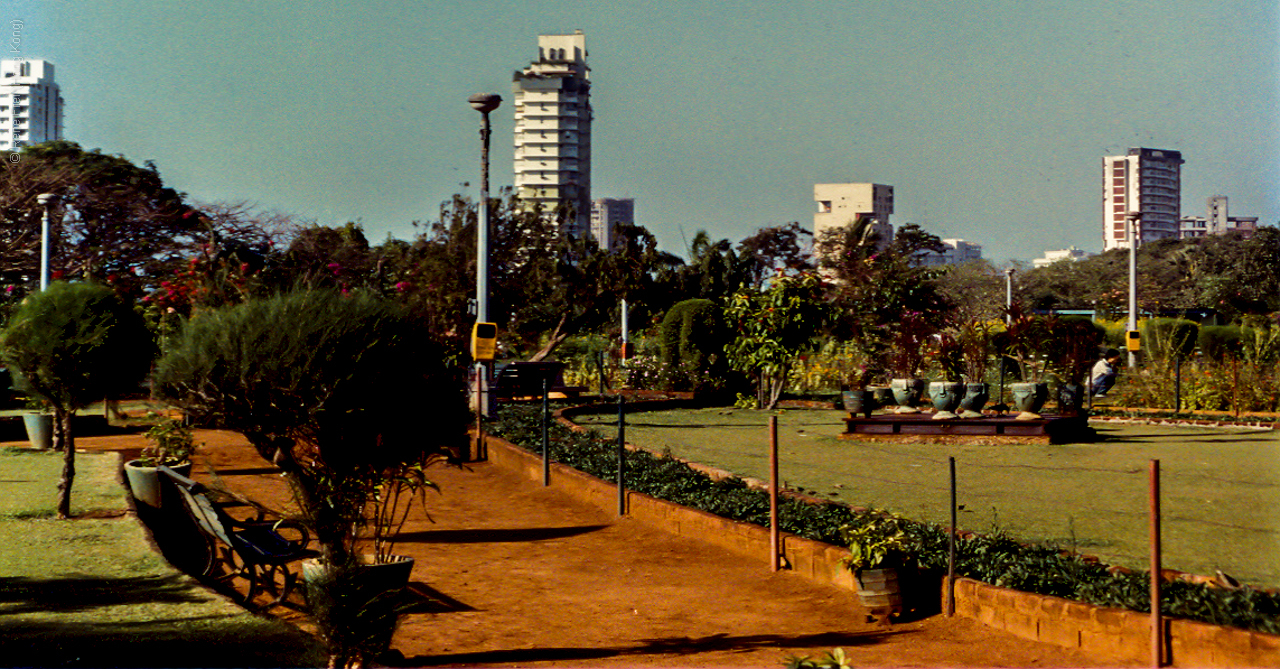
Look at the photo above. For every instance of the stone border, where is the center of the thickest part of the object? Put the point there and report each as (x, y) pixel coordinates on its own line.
(1107, 633)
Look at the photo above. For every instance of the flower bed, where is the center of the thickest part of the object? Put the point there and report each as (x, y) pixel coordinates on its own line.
(996, 559)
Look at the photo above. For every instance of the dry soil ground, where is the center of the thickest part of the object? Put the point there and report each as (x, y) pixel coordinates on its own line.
(512, 573)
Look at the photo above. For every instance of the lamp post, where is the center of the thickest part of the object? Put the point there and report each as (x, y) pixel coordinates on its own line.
(1132, 233)
(1008, 294)
(483, 103)
(47, 201)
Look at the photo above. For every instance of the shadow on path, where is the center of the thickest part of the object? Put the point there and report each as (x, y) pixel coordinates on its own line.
(495, 536)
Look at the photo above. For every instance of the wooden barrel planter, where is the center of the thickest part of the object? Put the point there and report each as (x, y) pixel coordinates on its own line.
(880, 592)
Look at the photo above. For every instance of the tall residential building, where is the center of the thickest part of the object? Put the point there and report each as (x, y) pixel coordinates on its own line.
(841, 204)
(1147, 181)
(30, 104)
(607, 214)
(553, 129)
(1218, 221)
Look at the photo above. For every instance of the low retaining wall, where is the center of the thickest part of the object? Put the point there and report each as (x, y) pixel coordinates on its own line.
(1108, 634)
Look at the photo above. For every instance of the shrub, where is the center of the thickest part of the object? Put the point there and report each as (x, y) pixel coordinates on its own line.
(1217, 342)
(1164, 338)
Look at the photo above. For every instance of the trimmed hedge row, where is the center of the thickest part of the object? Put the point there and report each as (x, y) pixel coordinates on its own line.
(997, 558)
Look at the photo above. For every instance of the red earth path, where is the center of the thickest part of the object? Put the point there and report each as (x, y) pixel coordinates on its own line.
(512, 573)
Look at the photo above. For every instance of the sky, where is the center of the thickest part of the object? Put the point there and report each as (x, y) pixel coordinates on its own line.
(990, 119)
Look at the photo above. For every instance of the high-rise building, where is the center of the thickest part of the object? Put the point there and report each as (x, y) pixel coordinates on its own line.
(1148, 181)
(607, 214)
(553, 130)
(840, 205)
(30, 104)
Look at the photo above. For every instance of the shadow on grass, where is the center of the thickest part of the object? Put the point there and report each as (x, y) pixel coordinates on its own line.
(495, 536)
(65, 595)
(680, 646)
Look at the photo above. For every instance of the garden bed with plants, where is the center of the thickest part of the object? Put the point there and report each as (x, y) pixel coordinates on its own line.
(996, 558)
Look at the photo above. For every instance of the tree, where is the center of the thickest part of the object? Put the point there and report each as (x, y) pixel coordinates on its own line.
(773, 328)
(784, 249)
(73, 344)
(117, 223)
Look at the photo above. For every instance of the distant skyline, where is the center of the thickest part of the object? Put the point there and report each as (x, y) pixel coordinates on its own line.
(990, 119)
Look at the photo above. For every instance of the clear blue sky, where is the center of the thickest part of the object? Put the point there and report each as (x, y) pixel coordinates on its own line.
(990, 119)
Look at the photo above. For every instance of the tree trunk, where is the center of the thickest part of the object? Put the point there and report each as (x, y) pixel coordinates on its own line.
(558, 335)
(63, 418)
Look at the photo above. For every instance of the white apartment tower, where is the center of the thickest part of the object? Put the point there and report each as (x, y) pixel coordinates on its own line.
(553, 130)
(840, 205)
(1148, 181)
(607, 215)
(30, 104)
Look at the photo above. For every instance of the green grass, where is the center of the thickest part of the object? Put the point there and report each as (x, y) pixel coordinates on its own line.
(1220, 487)
(93, 592)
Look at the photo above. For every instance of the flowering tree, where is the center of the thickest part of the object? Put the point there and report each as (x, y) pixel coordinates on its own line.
(773, 328)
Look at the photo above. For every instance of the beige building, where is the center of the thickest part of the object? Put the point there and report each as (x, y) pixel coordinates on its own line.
(607, 215)
(553, 129)
(1072, 254)
(30, 104)
(955, 251)
(1218, 221)
(841, 204)
(1147, 181)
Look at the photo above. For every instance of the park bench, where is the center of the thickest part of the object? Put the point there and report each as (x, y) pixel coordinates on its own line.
(523, 380)
(255, 548)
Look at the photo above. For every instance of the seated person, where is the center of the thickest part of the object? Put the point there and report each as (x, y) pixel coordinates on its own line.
(1104, 372)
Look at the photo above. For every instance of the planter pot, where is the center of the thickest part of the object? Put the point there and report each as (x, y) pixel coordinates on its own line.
(1029, 398)
(907, 394)
(145, 482)
(975, 397)
(859, 402)
(946, 396)
(39, 429)
(377, 577)
(882, 396)
(1070, 399)
(879, 591)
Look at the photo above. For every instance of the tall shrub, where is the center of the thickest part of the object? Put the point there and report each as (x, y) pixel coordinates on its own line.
(1164, 338)
(340, 392)
(1217, 342)
(692, 334)
(73, 344)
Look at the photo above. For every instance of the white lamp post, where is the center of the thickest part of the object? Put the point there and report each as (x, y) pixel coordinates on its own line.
(1132, 233)
(47, 201)
(1008, 294)
(483, 103)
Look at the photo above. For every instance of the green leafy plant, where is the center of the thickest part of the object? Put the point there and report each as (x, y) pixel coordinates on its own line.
(832, 659)
(172, 443)
(880, 542)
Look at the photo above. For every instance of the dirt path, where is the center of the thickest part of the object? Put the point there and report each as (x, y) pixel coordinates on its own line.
(517, 574)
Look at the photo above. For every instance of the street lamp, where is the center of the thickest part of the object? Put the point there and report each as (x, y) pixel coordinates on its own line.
(483, 103)
(1008, 294)
(1132, 233)
(47, 201)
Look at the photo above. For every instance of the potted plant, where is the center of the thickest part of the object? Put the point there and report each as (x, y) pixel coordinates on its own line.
(859, 399)
(1028, 340)
(946, 394)
(172, 446)
(975, 346)
(38, 421)
(878, 550)
(909, 341)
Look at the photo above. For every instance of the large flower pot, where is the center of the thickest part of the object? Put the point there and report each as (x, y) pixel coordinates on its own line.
(975, 397)
(146, 484)
(879, 591)
(1070, 399)
(882, 396)
(907, 394)
(946, 396)
(859, 402)
(39, 429)
(1029, 398)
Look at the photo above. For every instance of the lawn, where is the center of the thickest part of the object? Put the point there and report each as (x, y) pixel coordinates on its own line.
(92, 591)
(1220, 487)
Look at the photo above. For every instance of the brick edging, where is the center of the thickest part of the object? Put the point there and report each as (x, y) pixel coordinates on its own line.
(1107, 633)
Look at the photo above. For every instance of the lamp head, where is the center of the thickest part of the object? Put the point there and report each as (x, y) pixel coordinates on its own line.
(46, 199)
(485, 102)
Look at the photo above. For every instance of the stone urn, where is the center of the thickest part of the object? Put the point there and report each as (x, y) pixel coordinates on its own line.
(907, 394)
(975, 397)
(1029, 398)
(859, 402)
(882, 395)
(946, 396)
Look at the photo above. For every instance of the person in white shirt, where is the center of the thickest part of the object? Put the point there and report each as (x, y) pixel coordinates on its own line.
(1104, 372)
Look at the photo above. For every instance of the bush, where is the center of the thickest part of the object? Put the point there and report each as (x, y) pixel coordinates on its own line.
(1217, 342)
(1164, 338)
(692, 334)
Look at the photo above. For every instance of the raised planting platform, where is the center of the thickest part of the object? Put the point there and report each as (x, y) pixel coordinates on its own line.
(921, 427)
